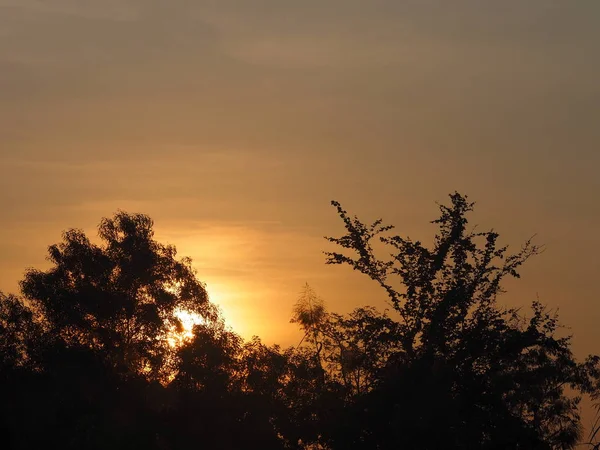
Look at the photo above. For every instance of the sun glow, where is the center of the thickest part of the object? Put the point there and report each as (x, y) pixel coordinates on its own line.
(226, 298)
(184, 330)
(188, 321)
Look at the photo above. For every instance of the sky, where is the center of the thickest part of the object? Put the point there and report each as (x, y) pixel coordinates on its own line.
(234, 123)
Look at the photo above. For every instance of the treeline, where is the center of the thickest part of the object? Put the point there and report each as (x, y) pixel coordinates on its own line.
(93, 354)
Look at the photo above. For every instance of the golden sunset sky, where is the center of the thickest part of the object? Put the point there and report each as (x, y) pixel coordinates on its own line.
(234, 123)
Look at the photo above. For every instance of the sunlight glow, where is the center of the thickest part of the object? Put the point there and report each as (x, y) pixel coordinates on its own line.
(222, 296)
(188, 321)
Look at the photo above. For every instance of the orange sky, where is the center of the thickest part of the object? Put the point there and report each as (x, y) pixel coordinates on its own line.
(234, 123)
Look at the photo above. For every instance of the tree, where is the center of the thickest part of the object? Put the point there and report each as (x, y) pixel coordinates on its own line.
(358, 346)
(19, 343)
(310, 314)
(467, 373)
(17, 330)
(89, 358)
(209, 361)
(119, 299)
(349, 349)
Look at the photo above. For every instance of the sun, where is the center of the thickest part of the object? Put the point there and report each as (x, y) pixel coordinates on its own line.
(188, 321)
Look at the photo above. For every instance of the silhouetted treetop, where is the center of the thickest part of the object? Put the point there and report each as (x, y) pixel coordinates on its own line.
(120, 297)
(434, 289)
(497, 377)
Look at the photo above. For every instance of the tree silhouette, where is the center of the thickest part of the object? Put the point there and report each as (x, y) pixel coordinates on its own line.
(309, 313)
(89, 358)
(467, 373)
(17, 330)
(119, 299)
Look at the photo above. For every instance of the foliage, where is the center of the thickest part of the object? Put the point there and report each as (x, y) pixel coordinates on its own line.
(466, 371)
(119, 299)
(88, 357)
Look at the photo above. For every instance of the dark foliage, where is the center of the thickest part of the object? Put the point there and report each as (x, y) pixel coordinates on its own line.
(465, 372)
(93, 355)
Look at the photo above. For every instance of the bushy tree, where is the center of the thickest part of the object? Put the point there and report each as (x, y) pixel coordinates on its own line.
(90, 359)
(467, 372)
(120, 298)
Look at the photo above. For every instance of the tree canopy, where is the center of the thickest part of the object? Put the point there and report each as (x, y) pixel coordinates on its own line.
(88, 359)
